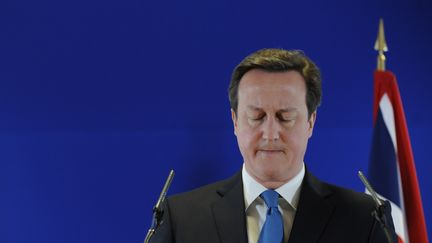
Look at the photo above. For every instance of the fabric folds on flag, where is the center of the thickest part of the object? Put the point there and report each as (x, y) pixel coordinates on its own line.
(392, 170)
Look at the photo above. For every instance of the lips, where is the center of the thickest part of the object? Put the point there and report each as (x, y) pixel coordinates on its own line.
(270, 151)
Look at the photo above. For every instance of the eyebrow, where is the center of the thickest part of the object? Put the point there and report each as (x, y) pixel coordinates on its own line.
(290, 109)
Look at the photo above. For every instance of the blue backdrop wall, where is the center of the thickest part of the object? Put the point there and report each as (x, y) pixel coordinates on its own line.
(99, 99)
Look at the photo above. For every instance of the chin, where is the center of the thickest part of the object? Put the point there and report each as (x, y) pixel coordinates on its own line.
(276, 169)
(274, 172)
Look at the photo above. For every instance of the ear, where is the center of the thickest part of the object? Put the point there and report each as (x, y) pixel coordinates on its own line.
(311, 123)
(234, 120)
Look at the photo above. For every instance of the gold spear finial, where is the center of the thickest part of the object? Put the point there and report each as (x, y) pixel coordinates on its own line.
(381, 47)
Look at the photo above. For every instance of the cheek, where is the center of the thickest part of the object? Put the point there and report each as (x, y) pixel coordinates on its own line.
(247, 141)
(297, 135)
(297, 138)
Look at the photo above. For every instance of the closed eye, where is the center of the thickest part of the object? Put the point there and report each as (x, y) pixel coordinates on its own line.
(285, 118)
(256, 118)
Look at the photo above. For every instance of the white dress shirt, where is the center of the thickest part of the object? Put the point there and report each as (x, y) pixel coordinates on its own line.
(256, 209)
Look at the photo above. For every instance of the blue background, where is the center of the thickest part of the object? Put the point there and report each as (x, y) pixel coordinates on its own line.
(99, 99)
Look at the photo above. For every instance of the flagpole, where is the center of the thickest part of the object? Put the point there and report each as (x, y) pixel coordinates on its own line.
(381, 47)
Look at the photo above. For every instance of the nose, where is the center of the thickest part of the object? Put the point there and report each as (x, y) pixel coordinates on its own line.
(271, 129)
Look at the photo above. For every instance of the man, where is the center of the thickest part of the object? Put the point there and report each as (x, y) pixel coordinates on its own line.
(274, 95)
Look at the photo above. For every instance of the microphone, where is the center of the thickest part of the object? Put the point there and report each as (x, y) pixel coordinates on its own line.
(158, 209)
(378, 213)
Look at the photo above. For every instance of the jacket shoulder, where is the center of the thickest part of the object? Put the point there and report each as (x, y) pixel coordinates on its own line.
(349, 198)
(204, 195)
(189, 216)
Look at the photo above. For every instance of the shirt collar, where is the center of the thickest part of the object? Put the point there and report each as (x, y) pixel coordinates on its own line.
(289, 191)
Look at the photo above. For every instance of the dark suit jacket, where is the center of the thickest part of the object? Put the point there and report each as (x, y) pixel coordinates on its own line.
(216, 213)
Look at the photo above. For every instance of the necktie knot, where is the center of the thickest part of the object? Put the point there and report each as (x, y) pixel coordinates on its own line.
(271, 198)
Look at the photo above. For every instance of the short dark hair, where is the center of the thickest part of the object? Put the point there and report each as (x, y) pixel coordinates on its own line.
(280, 60)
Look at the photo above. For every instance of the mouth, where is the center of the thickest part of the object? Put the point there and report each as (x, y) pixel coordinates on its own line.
(270, 151)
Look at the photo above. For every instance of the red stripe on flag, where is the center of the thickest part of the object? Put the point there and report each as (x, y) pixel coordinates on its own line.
(385, 82)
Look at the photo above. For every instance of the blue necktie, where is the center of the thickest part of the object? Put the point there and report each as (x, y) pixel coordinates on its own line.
(272, 230)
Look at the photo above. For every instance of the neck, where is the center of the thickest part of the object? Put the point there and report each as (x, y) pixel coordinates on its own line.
(271, 182)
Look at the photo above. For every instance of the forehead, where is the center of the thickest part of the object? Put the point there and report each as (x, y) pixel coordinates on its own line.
(263, 88)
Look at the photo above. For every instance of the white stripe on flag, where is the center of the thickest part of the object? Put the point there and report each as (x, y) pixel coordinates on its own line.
(398, 213)
(388, 116)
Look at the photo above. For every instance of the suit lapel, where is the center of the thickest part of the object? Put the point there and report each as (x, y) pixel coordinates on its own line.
(229, 212)
(313, 212)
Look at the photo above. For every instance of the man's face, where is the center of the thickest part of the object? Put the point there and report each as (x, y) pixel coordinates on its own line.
(272, 125)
